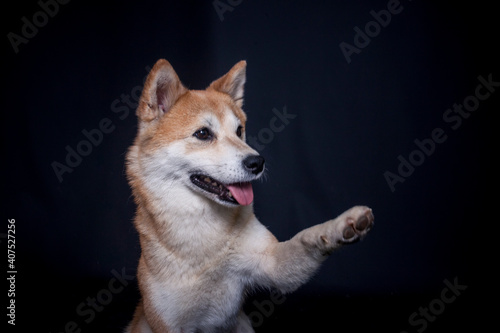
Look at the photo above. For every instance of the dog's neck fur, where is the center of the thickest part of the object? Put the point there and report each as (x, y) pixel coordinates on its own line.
(201, 254)
(199, 217)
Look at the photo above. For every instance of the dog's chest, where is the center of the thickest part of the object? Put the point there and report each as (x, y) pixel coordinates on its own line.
(211, 300)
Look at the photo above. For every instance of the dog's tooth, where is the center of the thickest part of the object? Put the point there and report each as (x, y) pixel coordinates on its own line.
(230, 195)
(206, 179)
(214, 183)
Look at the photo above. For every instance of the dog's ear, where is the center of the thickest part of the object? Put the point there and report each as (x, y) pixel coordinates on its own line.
(161, 90)
(233, 82)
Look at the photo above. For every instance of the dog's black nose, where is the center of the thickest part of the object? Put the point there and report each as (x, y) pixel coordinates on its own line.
(254, 163)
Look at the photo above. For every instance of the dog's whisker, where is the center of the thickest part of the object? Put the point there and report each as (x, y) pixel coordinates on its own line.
(202, 247)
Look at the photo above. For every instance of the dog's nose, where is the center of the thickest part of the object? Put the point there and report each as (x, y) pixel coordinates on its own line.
(254, 163)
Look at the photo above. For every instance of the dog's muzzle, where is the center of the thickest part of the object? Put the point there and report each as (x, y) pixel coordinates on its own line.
(238, 193)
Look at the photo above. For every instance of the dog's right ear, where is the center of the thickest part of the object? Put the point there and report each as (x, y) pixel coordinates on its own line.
(161, 90)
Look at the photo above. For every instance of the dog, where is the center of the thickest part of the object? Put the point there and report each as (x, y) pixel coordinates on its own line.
(202, 248)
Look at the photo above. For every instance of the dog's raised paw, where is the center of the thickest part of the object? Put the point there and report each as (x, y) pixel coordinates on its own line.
(356, 224)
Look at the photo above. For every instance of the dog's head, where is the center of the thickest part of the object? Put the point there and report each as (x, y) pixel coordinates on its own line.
(194, 139)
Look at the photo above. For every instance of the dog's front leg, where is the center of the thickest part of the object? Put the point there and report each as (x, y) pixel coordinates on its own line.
(287, 265)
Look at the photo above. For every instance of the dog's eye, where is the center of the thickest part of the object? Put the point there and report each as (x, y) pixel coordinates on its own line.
(203, 134)
(239, 131)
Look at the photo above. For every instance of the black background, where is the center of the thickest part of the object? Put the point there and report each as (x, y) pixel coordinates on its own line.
(352, 121)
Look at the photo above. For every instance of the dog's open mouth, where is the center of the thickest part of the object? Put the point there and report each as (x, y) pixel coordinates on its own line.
(237, 193)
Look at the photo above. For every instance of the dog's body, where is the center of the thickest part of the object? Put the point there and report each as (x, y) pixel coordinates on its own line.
(202, 247)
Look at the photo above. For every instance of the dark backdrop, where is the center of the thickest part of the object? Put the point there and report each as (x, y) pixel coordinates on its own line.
(366, 95)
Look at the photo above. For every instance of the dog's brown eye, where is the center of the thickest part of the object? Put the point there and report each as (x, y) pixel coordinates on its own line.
(203, 134)
(239, 131)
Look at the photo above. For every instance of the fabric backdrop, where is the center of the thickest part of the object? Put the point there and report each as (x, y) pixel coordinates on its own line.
(383, 103)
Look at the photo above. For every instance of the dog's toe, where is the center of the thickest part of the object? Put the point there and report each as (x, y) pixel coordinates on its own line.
(357, 224)
(348, 232)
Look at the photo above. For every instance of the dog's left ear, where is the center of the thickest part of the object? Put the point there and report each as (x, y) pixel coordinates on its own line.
(233, 82)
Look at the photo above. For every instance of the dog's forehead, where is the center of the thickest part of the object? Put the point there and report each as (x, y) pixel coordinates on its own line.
(216, 107)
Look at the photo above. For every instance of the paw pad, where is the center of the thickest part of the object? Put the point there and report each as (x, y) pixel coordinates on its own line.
(348, 232)
(357, 226)
(362, 223)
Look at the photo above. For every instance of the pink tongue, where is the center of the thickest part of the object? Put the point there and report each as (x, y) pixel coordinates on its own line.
(242, 192)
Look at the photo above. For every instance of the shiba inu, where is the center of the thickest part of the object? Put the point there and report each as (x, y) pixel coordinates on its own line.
(202, 248)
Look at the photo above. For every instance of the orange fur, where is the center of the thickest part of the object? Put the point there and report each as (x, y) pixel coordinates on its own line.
(202, 250)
